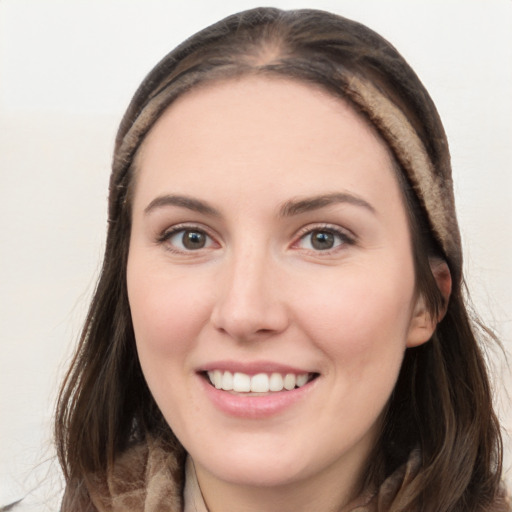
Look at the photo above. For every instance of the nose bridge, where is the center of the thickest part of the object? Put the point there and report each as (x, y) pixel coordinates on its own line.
(249, 302)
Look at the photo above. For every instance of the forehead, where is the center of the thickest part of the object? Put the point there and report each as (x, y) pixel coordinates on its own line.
(266, 127)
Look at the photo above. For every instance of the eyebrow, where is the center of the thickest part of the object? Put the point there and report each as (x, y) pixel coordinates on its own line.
(190, 203)
(296, 207)
(289, 208)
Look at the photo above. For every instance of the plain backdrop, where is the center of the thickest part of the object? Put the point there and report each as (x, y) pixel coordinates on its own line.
(67, 71)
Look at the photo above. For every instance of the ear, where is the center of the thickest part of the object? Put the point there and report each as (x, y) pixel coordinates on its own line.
(422, 324)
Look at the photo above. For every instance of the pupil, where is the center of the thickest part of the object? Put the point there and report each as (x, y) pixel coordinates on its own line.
(193, 240)
(322, 240)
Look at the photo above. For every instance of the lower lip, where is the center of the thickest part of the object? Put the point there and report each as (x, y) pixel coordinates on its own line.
(255, 406)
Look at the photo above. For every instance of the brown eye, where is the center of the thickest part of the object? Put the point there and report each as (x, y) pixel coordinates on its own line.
(193, 239)
(322, 240)
(185, 240)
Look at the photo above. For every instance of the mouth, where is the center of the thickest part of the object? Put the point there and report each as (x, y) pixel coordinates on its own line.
(260, 383)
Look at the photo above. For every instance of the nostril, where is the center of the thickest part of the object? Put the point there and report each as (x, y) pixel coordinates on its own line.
(264, 331)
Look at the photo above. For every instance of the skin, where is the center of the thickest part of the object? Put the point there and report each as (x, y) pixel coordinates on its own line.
(259, 290)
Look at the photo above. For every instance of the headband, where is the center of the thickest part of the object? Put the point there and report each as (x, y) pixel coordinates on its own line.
(431, 182)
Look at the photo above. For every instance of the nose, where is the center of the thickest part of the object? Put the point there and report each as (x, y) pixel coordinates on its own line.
(249, 301)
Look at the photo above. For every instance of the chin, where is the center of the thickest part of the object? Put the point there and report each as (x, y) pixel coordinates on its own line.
(259, 474)
(255, 465)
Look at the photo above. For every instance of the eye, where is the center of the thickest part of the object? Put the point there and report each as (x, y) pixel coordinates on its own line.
(323, 239)
(187, 239)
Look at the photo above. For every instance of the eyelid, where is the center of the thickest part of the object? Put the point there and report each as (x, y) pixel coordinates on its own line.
(347, 236)
(169, 232)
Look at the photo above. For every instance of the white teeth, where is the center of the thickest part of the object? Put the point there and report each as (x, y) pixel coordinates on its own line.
(289, 381)
(241, 383)
(301, 380)
(276, 382)
(259, 383)
(217, 379)
(227, 381)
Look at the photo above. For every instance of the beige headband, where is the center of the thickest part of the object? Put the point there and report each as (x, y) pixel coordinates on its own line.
(433, 186)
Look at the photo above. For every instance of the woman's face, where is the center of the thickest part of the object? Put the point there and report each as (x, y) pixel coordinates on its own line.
(270, 247)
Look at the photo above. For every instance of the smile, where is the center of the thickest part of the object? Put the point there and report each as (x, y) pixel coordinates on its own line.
(259, 383)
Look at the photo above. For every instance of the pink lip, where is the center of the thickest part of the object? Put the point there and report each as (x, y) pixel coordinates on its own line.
(252, 368)
(245, 406)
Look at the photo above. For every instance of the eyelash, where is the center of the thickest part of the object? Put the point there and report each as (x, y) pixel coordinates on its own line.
(167, 235)
(343, 237)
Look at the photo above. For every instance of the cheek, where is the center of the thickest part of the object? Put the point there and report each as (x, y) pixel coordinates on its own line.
(167, 315)
(360, 316)
(167, 311)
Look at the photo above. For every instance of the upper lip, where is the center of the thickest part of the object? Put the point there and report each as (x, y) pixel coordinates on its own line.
(252, 368)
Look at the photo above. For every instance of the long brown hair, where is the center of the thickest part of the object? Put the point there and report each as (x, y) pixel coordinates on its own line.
(442, 400)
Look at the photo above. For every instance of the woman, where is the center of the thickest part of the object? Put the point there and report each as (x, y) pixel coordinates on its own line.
(279, 323)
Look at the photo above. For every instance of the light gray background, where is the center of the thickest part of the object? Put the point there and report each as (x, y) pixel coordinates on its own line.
(67, 71)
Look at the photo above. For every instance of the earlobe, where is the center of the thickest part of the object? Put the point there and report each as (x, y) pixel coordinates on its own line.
(423, 324)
